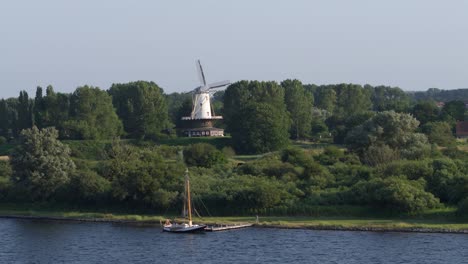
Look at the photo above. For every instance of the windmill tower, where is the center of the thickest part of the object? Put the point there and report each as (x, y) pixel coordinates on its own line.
(200, 121)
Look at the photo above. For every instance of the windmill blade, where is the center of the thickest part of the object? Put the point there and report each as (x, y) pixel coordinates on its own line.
(201, 75)
(193, 91)
(218, 84)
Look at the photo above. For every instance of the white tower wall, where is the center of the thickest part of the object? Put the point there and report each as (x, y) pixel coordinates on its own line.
(201, 106)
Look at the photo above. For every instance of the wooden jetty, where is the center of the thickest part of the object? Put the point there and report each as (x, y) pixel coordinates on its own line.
(213, 228)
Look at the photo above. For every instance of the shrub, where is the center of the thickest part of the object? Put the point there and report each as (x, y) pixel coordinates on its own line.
(203, 155)
(394, 193)
(463, 207)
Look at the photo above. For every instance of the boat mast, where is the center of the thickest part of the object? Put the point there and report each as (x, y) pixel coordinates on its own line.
(189, 206)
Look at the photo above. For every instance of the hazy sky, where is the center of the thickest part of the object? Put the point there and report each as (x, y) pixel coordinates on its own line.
(413, 44)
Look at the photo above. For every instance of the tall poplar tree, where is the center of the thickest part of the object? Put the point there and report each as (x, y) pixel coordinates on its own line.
(299, 103)
(142, 107)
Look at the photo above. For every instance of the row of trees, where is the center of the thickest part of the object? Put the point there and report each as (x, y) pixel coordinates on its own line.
(260, 116)
(136, 109)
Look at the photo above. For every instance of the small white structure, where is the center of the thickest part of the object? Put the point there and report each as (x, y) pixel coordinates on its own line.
(202, 116)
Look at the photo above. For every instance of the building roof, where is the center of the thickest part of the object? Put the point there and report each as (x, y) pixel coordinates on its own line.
(462, 129)
(204, 129)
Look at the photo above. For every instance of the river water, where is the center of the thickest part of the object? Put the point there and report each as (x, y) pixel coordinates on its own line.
(29, 241)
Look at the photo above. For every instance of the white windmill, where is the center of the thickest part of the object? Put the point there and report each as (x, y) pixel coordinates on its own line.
(202, 115)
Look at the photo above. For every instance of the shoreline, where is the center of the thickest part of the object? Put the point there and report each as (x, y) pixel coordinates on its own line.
(289, 225)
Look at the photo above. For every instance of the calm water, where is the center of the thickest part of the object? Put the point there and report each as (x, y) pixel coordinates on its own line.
(25, 241)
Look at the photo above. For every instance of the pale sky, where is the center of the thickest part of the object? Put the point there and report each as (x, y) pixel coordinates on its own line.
(413, 44)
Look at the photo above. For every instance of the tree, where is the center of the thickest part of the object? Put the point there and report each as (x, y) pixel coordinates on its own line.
(396, 130)
(177, 103)
(326, 98)
(340, 126)
(25, 114)
(389, 98)
(351, 99)
(203, 155)
(92, 115)
(41, 164)
(142, 108)
(425, 112)
(299, 104)
(256, 116)
(51, 109)
(439, 133)
(142, 177)
(379, 154)
(8, 118)
(454, 110)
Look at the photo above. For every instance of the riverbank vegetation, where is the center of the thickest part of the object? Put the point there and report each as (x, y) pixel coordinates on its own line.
(293, 150)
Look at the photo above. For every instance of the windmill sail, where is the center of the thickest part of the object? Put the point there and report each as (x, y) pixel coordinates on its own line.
(201, 75)
(218, 84)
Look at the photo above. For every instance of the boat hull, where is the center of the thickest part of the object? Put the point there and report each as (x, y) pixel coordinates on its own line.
(184, 229)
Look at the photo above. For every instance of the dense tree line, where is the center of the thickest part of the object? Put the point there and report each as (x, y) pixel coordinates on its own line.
(149, 178)
(400, 155)
(439, 95)
(260, 116)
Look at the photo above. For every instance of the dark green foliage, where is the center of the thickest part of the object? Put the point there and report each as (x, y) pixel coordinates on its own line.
(87, 186)
(389, 130)
(351, 99)
(179, 105)
(88, 149)
(41, 164)
(411, 169)
(203, 155)
(332, 155)
(295, 156)
(256, 116)
(439, 133)
(389, 98)
(454, 110)
(442, 181)
(463, 207)
(218, 142)
(340, 126)
(299, 104)
(325, 98)
(142, 108)
(92, 115)
(425, 112)
(141, 177)
(25, 113)
(388, 166)
(8, 118)
(379, 154)
(53, 109)
(396, 194)
(441, 95)
(346, 175)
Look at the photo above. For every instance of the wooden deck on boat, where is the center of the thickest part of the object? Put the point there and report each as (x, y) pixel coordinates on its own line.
(213, 228)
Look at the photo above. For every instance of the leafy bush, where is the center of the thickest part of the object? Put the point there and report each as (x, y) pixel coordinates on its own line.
(203, 155)
(41, 163)
(394, 193)
(88, 186)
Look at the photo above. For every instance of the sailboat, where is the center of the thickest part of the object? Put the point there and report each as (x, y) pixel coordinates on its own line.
(184, 227)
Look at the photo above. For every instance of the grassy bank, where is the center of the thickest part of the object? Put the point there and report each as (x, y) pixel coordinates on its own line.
(433, 221)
